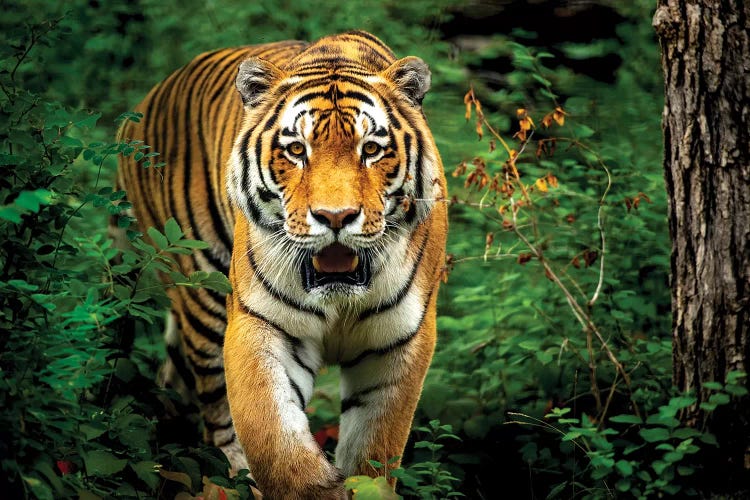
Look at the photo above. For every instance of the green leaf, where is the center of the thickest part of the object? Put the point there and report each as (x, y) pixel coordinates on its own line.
(684, 470)
(178, 477)
(10, 213)
(46, 470)
(367, 488)
(624, 467)
(159, 239)
(148, 472)
(736, 390)
(709, 438)
(556, 491)
(33, 200)
(92, 430)
(685, 432)
(38, 488)
(541, 79)
(194, 244)
(103, 463)
(626, 419)
(172, 230)
(89, 121)
(216, 281)
(654, 434)
(623, 485)
(719, 399)
(582, 131)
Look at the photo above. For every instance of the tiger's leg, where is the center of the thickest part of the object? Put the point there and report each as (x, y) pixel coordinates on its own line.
(379, 394)
(269, 381)
(202, 339)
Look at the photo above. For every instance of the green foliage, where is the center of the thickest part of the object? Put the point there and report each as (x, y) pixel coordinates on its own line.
(66, 297)
(426, 477)
(641, 457)
(80, 413)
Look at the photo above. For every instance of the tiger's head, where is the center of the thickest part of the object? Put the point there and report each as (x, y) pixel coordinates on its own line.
(335, 160)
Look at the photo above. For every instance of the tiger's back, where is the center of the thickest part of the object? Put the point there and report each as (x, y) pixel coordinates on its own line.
(318, 186)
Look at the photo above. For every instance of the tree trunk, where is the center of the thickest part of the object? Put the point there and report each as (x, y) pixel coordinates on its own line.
(706, 59)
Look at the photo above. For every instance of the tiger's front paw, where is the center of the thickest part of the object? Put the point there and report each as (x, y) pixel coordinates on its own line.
(302, 487)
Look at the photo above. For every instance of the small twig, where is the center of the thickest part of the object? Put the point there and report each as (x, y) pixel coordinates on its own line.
(535, 422)
(592, 372)
(600, 225)
(611, 395)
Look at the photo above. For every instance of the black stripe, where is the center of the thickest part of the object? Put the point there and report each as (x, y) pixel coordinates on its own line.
(219, 298)
(354, 400)
(223, 77)
(226, 441)
(244, 142)
(380, 351)
(203, 330)
(397, 195)
(197, 300)
(188, 168)
(258, 146)
(213, 427)
(261, 317)
(277, 111)
(196, 351)
(397, 171)
(418, 181)
(294, 342)
(149, 131)
(297, 391)
(216, 218)
(181, 147)
(393, 345)
(325, 81)
(299, 361)
(206, 371)
(213, 396)
(277, 294)
(254, 212)
(178, 360)
(396, 299)
(373, 39)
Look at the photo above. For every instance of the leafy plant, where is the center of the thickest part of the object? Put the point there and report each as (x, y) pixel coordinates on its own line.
(426, 479)
(69, 302)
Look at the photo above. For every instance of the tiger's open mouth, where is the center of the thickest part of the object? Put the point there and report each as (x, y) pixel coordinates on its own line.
(336, 264)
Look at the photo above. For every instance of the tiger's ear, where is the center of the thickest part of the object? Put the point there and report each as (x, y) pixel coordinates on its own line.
(411, 75)
(254, 78)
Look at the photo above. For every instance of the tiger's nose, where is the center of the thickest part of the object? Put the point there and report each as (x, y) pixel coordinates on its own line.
(337, 219)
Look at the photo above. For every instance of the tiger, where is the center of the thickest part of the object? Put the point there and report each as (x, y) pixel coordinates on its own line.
(317, 183)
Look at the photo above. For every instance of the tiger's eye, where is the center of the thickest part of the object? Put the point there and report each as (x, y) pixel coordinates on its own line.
(371, 148)
(296, 149)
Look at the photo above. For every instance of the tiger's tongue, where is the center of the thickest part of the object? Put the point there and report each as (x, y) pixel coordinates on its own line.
(335, 258)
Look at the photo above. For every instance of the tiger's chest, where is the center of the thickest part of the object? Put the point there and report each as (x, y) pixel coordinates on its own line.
(341, 326)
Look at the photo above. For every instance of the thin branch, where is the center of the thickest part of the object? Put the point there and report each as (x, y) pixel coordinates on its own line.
(600, 225)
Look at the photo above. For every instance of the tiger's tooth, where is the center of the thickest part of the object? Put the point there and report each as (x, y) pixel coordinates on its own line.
(355, 263)
(316, 264)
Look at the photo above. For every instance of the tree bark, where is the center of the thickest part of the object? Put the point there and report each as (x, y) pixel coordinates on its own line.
(706, 60)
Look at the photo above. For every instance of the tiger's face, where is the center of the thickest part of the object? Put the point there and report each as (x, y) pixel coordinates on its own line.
(334, 167)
